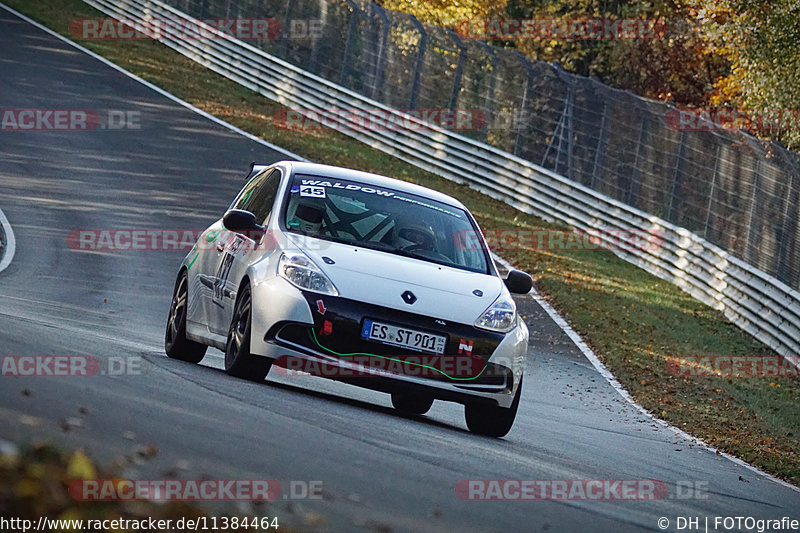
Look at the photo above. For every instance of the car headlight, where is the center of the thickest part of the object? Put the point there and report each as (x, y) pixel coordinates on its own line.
(301, 272)
(500, 316)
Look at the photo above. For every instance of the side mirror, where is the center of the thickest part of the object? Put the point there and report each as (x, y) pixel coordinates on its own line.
(518, 282)
(241, 221)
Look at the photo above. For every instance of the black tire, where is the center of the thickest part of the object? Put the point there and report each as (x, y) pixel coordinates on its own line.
(492, 420)
(176, 344)
(411, 404)
(239, 362)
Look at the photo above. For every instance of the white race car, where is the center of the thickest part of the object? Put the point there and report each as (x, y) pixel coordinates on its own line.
(360, 278)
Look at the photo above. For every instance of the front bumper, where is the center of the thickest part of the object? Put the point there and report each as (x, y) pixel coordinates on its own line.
(322, 336)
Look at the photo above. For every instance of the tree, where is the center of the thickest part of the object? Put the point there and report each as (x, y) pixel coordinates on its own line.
(761, 40)
(671, 63)
(741, 54)
(448, 13)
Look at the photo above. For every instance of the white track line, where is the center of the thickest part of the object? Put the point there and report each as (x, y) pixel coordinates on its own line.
(584, 348)
(601, 368)
(159, 90)
(11, 243)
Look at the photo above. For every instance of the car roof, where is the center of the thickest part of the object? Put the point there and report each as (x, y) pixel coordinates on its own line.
(328, 171)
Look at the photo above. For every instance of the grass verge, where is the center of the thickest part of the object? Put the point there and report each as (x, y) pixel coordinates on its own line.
(634, 321)
(36, 486)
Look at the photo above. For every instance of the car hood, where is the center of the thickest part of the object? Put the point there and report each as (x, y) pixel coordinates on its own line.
(381, 278)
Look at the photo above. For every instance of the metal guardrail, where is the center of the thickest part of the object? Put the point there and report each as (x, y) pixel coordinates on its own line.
(758, 303)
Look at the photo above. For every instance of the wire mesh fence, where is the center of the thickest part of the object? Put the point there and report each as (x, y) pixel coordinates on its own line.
(724, 185)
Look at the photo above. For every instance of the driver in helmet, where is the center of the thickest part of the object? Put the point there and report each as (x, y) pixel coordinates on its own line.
(417, 233)
(308, 216)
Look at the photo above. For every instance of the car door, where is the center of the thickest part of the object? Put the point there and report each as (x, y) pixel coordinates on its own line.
(202, 268)
(237, 251)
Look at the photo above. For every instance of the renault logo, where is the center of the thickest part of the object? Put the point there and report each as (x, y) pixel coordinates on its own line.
(408, 297)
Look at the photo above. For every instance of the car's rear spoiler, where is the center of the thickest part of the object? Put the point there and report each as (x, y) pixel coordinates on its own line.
(255, 169)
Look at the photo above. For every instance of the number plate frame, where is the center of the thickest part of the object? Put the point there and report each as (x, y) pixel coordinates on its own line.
(391, 332)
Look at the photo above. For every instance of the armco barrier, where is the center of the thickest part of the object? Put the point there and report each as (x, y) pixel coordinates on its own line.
(755, 301)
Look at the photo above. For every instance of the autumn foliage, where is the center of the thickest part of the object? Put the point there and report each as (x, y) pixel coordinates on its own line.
(741, 54)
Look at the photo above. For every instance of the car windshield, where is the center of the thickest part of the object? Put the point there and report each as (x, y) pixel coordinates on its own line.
(384, 219)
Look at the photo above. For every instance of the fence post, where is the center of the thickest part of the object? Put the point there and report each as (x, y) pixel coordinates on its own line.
(558, 131)
(602, 138)
(750, 250)
(462, 54)
(380, 66)
(286, 26)
(348, 47)
(677, 185)
(633, 186)
(567, 127)
(423, 41)
(711, 192)
(313, 61)
(489, 105)
(523, 106)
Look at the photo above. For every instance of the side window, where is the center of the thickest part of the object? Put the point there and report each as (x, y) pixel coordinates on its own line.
(258, 196)
(246, 194)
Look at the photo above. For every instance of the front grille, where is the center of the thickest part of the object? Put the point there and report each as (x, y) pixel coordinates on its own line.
(461, 370)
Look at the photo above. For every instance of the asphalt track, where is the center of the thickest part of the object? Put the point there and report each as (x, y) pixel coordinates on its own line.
(379, 471)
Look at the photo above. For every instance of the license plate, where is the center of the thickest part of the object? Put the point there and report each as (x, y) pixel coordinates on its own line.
(404, 337)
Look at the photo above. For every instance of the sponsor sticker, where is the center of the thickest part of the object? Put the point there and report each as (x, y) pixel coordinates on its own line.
(310, 191)
(368, 190)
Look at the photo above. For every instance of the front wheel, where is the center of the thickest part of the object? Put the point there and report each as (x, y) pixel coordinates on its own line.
(239, 362)
(176, 344)
(492, 420)
(408, 404)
